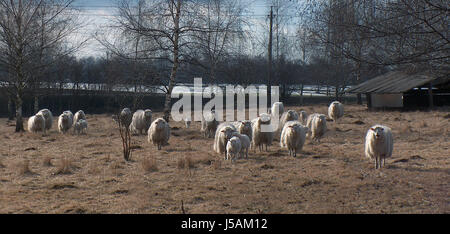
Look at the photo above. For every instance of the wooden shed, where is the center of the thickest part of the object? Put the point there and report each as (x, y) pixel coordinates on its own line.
(399, 89)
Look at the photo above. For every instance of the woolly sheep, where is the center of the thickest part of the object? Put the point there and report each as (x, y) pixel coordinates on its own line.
(293, 137)
(48, 116)
(317, 126)
(141, 121)
(233, 148)
(223, 133)
(209, 124)
(260, 138)
(277, 106)
(70, 114)
(335, 110)
(78, 115)
(125, 117)
(379, 144)
(290, 115)
(159, 133)
(37, 123)
(80, 126)
(64, 122)
(245, 127)
(302, 117)
(245, 143)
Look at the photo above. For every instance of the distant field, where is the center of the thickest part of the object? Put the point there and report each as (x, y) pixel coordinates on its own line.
(330, 177)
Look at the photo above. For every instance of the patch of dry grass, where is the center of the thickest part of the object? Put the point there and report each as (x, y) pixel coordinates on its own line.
(332, 176)
(150, 164)
(64, 167)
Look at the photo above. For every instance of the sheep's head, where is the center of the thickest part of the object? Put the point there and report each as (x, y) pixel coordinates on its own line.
(377, 132)
(160, 124)
(291, 115)
(245, 126)
(65, 117)
(227, 132)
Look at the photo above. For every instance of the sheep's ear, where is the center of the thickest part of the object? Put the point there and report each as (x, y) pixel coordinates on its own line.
(373, 129)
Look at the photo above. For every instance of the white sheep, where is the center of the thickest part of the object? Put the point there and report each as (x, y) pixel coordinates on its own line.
(78, 115)
(224, 132)
(80, 126)
(290, 115)
(125, 117)
(245, 127)
(159, 133)
(37, 123)
(48, 116)
(64, 122)
(187, 121)
(379, 144)
(245, 143)
(335, 110)
(70, 114)
(260, 138)
(233, 148)
(303, 117)
(317, 126)
(141, 121)
(293, 137)
(277, 106)
(209, 124)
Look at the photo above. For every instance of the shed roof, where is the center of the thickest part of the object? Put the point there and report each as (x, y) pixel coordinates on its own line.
(392, 82)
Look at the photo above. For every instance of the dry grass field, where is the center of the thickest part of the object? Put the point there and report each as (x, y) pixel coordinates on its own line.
(87, 174)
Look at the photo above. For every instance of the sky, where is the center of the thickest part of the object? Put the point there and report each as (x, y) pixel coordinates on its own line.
(97, 14)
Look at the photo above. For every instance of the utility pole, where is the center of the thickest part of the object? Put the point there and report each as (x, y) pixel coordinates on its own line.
(269, 93)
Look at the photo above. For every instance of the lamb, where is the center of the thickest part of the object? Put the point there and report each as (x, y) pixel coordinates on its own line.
(233, 148)
(290, 115)
(125, 117)
(187, 121)
(245, 143)
(317, 126)
(64, 122)
(80, 126)
(78, 115)
(302, 117)
(379, 144)
(335, 110)
(48, 118)
(293, 137)
(209, 124)
(159, 133)
(277, 106)
(260, 138)
(37, 123)
(224, 132)
(141, 121)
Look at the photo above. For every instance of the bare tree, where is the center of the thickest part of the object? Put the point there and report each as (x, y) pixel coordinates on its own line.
(26, 34)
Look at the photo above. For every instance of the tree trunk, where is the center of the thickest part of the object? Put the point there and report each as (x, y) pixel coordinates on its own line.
(10, 109)
(359, 96)
(19, 120)
(173, 73)
(36, 104)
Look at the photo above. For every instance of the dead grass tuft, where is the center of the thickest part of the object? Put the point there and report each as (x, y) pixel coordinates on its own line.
(149, 164)
(23, 168)
(64, 167)
(47, 161)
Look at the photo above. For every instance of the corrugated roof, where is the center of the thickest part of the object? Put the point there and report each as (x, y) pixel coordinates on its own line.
(392, 82)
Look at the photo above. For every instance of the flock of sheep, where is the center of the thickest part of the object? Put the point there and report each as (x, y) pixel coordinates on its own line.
(43, 120)
(234, 139)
